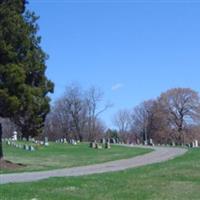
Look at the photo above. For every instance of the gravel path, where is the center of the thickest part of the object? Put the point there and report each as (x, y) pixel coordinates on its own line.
(159, 155)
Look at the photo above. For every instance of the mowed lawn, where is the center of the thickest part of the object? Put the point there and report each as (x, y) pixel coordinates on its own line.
(65, 155)
(177, 179)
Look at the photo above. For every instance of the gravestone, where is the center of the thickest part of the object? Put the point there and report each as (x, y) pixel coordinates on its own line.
(26, 147)
(195, 144)
(29, 138)
(173, 144)
(103, 141)
(46, 143)
(33, 140)
(151, 142)
(93, 145)
(97, 146)
(14, 138)
(113, 141)
(31, 148)
(65, 141)
(74, 142)
(107, 145)
(145, 142)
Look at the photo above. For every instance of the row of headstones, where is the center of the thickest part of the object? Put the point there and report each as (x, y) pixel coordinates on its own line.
(20, 146)
(44, 143)
(110, 140)
(194, 144)
(149, 142)
(95, 145)
(117, 141)
(30, 139)
(65, 141)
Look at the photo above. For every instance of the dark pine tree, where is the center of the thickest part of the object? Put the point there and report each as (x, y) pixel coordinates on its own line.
(23, 84)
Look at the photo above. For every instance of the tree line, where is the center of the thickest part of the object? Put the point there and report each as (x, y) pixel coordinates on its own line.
(174, 117)
(76, 115)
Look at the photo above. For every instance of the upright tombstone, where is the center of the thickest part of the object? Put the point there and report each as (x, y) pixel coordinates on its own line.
(93, 145)
(74, 142)
(195, 144)
(65, 141)
(97, 146)
(29, 138)
(113, 140)
(46, 143)
(14, 138)
(107, 145)
(145, 142)
(31, 148)
(103, 141)
(151, 142)
(26, 147)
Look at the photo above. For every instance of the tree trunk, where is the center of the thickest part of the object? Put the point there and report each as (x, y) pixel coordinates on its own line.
(1, 145)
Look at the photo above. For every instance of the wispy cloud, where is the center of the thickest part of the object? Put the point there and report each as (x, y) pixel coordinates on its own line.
(117, 86)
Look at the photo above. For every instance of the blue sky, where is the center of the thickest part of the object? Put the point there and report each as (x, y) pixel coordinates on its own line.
(132, 50)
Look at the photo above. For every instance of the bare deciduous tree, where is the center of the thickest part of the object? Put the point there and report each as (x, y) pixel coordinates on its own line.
(94, 98)
(142, 119)
(181, 108)
(76, 114)
(122, 120)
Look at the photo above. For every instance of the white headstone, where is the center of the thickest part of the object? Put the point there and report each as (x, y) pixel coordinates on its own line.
(195, 144)
(151, 141)
(14, 138)
(46, 143)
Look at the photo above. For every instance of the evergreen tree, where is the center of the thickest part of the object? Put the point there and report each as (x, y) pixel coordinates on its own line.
(23, 84)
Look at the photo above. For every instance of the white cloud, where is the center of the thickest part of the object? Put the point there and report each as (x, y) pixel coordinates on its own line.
(117, 86)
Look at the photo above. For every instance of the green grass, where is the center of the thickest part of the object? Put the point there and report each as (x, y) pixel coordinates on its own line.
(177, 179)
(64, 155)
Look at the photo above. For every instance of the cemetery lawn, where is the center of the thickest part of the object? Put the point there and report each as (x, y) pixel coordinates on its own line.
(57, 156)
(177, 179)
